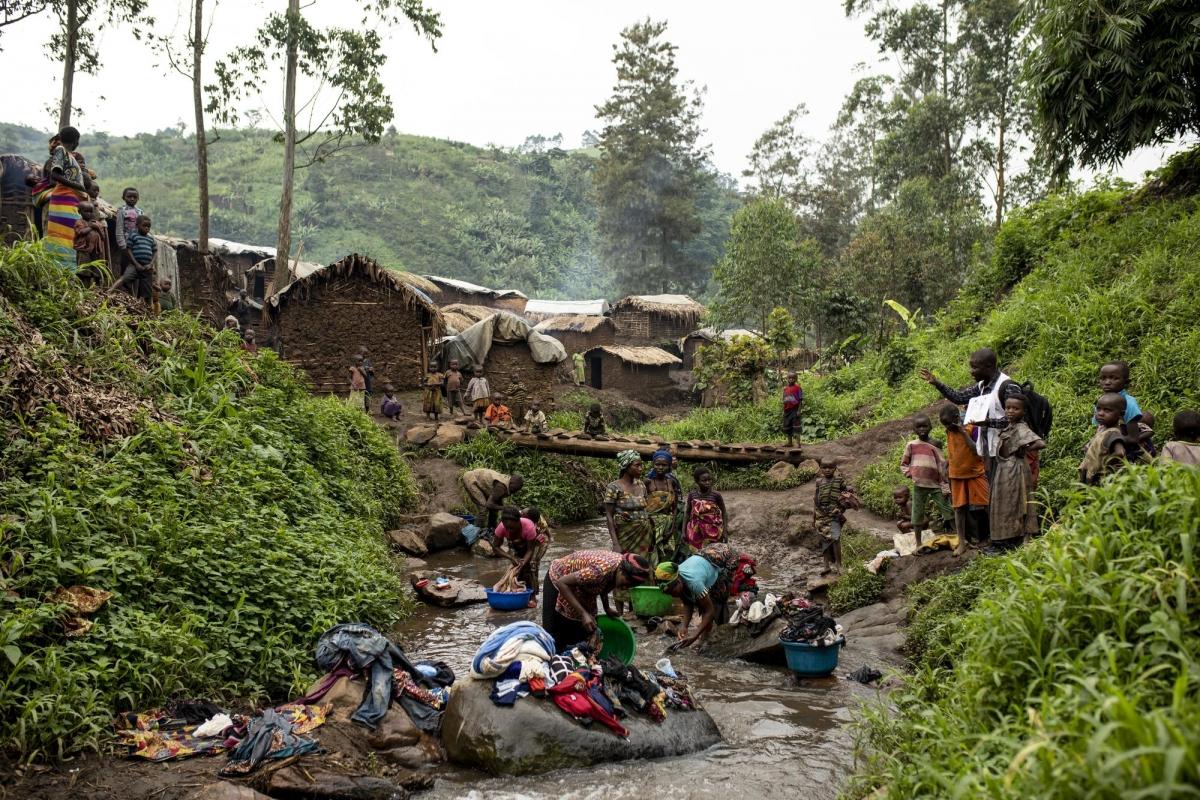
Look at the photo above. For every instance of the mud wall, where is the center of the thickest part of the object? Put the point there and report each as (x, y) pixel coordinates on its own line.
(203, 286)
(576, 342)
(323, 332)
(448, 296)
(618, 374)
(649, 328)
(509, 363)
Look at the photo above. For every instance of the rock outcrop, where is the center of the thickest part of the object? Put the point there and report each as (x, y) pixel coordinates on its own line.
(734, 641)
(458, 592)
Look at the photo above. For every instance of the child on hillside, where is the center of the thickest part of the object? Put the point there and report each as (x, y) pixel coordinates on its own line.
(832, 496)
(91, 241)
(535, 418)
(358, 383)
(902, 499)
(924, 464)
(1114, 377)
(390, 407)
(793, 400)
(1108, 449)
(1145, 434)
(126, 223)
(454, 388)
(593, 421)
(431, 398)
(518, 398)
(1184, 447)
(248, 341)
(704, 517)
(1013, 512)
(140, 247)
(497, 414)
(969, 491)
(478, 393)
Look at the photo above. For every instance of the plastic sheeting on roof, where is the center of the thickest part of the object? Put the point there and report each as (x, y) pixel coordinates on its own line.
(473, 345)
(554, 308)
(473, 288)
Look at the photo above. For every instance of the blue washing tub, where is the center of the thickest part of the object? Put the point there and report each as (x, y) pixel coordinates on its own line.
(812, 661)
(508, 601)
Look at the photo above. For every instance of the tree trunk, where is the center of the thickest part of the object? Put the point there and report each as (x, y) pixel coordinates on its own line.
(283, 265)
(1001, 158)
(72, 44)
(201, 135)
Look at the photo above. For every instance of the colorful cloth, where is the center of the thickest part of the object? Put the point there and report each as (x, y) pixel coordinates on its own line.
(63, 209)
(597, 575)
(573, 697)
(431, 398)
(143, 247)
(924, 464)
(155, 736)
(665, 507)
(268, 738)
(635, 529)
(497, 414)
(1013, 512)
(968, 481)
(706, 523)
(626, 458)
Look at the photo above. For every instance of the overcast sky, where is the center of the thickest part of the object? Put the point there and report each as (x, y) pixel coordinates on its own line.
(503, 70)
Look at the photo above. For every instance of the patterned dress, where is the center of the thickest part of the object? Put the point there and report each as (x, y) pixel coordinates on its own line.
(665, 506)
(1013, 511)
(597, 575)
(706, 523)
(62, 212)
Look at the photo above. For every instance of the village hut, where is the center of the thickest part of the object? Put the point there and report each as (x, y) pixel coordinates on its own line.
(452, 290)
(689, 344)
(16, 200)
(460, 316)
(322, 320)
(520, 363)
(656, 318)
(630, 369)
(579, 332)
(202, 284)
(540, 310)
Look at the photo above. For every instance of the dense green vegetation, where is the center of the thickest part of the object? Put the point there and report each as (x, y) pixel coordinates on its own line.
(1068, 669)
(856, 587)
(232, 516)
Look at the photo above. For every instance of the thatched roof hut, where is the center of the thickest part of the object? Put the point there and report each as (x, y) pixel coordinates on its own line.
(656, 318)
(452, 290)
(579, 332)
(323, 319)
(629, 368)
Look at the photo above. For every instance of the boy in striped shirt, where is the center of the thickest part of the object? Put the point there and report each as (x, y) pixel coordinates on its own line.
(924, 464)
(141, 248)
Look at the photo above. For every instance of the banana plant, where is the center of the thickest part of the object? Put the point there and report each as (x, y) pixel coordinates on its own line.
(911, 318)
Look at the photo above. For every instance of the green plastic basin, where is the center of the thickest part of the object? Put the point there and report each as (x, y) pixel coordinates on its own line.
(618, 639)
(650, 601)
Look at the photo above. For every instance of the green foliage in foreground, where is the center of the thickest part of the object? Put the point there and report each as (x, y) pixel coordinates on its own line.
(230, 534)
(877, 480)
(1075, 673)
(857, 587)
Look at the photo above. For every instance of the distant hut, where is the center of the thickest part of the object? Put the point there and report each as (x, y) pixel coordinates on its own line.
(452, 290)
(321, 320)
(579, 332)
(632, 369)
(689, 344)
(516, 359)
(540, 310)
(16, 200)
(656, 318)
(460, 316)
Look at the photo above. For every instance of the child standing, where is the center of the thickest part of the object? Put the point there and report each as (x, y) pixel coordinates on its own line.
(454, 388)
(1114, 377)
(478, 393)
(969, 491)
(535, 418)
(704, 518)
(1013, 511)
(902, 499)
(91, 236)
(1184, 447)
(140, 247)
(793, 400)
(593, 421)
(390, 407)
(497, 413)
(1107, 449)
(431, 398)
(924, 464)
(126, 223)
(358, 383)
(833, 495)
(248, 341)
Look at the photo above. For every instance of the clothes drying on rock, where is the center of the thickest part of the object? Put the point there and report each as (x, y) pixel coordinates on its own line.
(516, 641)
(274, 735)
(573, 697)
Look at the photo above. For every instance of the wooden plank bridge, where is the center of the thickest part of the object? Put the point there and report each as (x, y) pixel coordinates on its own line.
(577, 444)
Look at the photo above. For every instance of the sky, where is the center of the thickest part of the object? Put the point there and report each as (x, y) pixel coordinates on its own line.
(504, 69)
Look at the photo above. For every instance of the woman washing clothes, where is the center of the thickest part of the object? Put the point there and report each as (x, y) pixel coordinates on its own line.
(526, 545)
(629, 525)
(701, 581)
(574, 583)
(664, 504)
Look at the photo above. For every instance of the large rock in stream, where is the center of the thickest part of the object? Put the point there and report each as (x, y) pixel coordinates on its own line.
(535, 736)
(728, 642)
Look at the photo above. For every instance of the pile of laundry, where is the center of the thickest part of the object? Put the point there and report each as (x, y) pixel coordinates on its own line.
(811, 625)
(350, 650)
(758, 614)
(521, 660)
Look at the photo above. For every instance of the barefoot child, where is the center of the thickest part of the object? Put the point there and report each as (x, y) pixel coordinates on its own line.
(454, 388)
(793, 400)
(431, 397)
(1184, 447)
(902, 499)
(924, 464)
(704, 517)
(358, 383)
(478, 394)
(832, 497)
(1013, 511)
(535, 418)
(390, 407)
(969, 491)
(497, 414)
(593, 422)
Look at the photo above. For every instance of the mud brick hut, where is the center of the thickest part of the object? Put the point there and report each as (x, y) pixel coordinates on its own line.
(16, 200)
(320, 322)
(516, 359)
(579, 332)
(635, 370)
(541, 310)
(202, 284)
(689, 344)
(451, 291)
(655, 319)
(459, 316)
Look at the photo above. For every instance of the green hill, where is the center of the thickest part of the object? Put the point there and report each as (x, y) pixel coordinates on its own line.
(498, 217)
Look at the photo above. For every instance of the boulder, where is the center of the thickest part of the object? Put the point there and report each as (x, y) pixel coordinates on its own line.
(484, 549)
(413, 564)
(312, 782)
(409, 541)
(734, 641)
(446, 435)
(443, 532)
(420, 435)
(458, 592)
(535, 736)
(224, 790)
(396, 740)
(780, 471)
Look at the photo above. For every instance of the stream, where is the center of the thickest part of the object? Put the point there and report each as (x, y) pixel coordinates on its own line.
(779, 732)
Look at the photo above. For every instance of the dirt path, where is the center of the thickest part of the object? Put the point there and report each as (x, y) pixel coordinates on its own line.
(856, 451)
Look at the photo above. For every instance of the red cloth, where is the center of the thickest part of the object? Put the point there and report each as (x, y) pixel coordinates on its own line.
(743, 576)
(571, 695)
(792, 396)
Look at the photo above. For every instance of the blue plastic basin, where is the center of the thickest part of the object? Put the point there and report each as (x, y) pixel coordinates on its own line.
(508, 601)
(810, 660)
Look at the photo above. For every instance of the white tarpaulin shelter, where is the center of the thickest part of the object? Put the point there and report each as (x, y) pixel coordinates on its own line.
(473, 345)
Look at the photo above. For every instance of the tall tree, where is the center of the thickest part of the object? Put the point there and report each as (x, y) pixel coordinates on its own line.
(1110, 76)
(347, 100)
(778, 160)
(650, 167)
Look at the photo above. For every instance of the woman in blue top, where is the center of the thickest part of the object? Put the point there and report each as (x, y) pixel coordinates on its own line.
(701, 581)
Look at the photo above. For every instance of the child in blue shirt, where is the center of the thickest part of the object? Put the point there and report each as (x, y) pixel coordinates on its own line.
(1114, 378)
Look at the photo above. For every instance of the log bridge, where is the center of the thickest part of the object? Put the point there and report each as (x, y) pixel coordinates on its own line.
(578, 444)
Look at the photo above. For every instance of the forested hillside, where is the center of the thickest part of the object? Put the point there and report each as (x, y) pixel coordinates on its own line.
(523, 218)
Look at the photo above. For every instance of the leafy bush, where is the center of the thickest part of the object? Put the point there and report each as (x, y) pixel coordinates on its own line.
(240, 519)
(877, 480)
(1072, 669)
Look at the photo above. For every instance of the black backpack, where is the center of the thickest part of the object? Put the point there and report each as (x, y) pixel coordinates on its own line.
(1039, 414)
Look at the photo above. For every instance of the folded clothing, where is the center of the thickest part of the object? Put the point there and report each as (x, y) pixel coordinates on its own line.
(517, 641)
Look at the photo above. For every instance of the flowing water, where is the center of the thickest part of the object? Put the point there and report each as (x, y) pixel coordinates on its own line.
(780, 734)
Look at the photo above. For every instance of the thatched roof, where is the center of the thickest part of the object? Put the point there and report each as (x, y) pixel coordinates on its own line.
(677, 306)
(640, 356)
(409, 287)
(572, 323)
(544, 309)
(472, 288)
(460, 316)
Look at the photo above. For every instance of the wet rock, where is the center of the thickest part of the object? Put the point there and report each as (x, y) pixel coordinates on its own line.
(535, 736)
(395, 740)
(226, 791)
(311, 782)
(484, 549)
(734, 641)
(780, 471)
(458, 592)
(420, 435)
(409, 541)
(413, 564)
(446, 435)
(443, 532)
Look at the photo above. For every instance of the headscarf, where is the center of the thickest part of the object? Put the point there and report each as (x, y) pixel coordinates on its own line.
(635, 567)
(662, 453)
(666, 573)
(627, 457)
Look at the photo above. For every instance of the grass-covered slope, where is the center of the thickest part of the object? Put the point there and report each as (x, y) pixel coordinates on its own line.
(1069, 670)
(1073, 281)
(232, 516)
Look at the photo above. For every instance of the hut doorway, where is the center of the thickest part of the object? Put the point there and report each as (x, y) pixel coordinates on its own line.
(597, 363)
